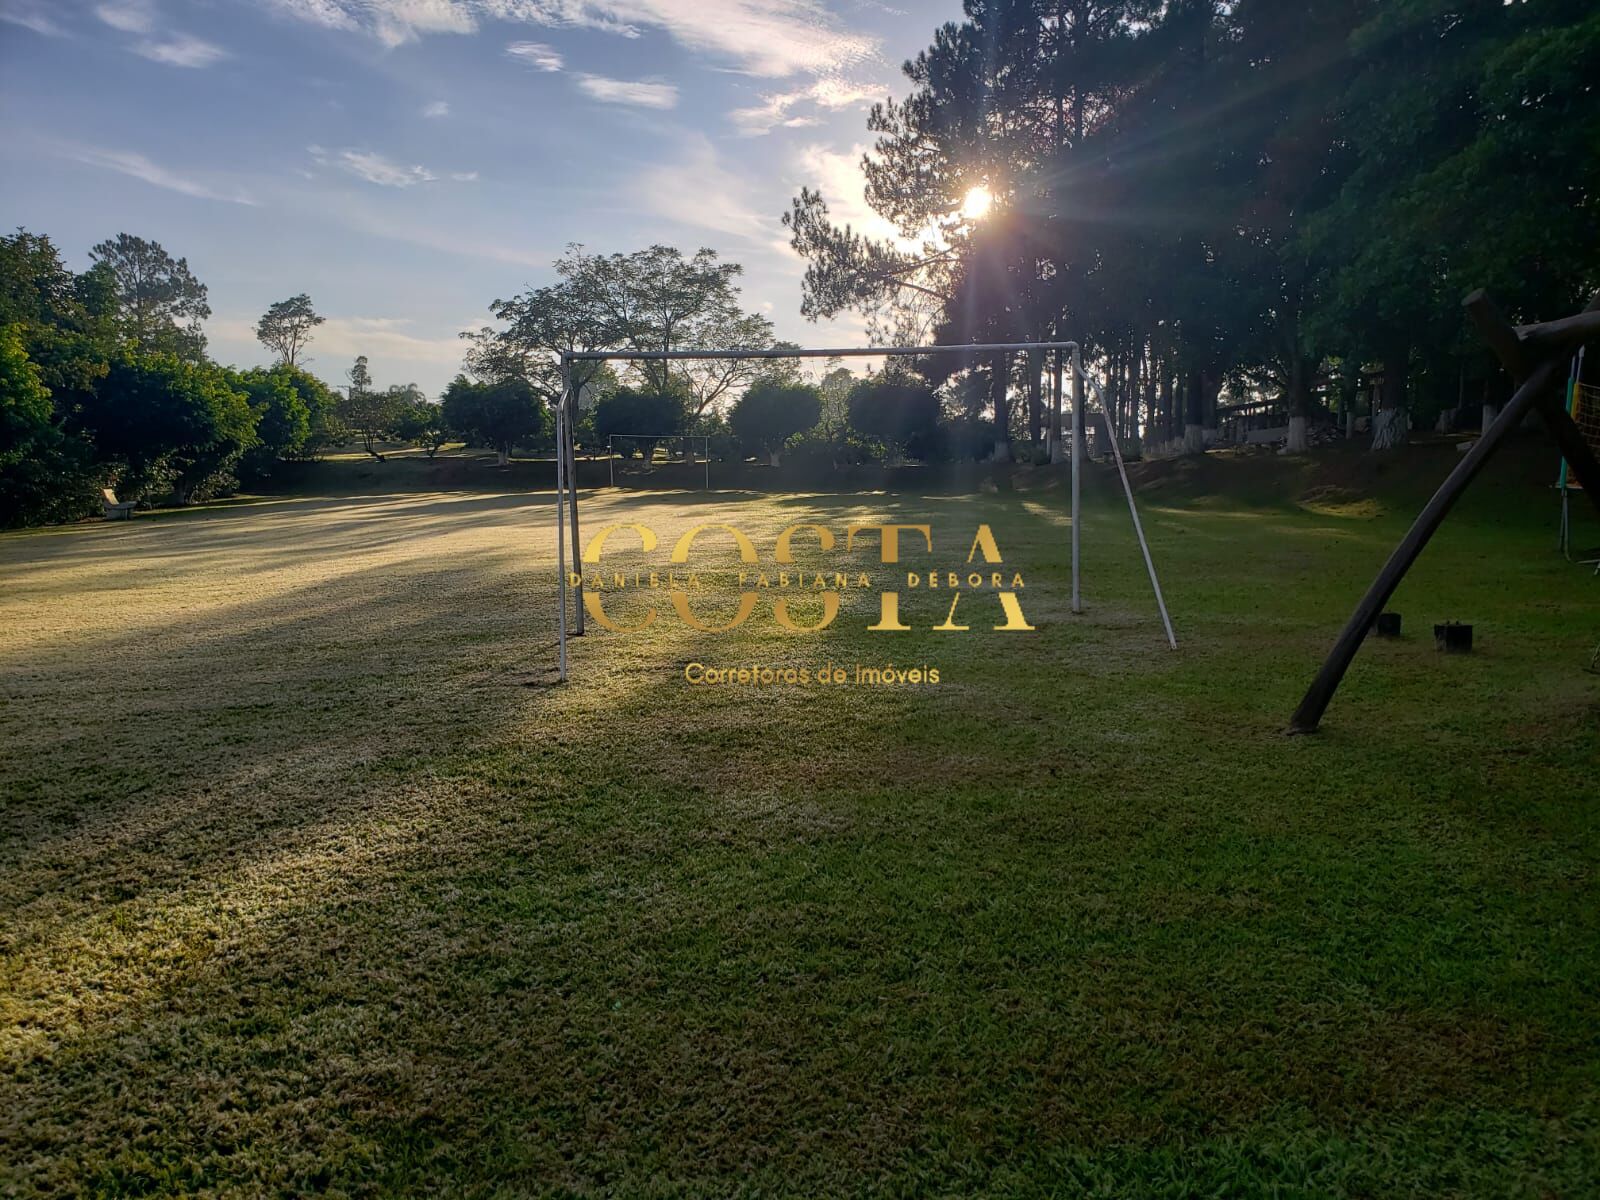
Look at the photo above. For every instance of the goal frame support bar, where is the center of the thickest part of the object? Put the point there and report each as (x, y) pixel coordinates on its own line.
(566, 466)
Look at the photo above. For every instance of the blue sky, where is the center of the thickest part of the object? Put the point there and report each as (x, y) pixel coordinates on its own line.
(407, 161)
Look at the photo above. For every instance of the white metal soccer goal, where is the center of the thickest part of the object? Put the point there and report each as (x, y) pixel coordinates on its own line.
(566, 462)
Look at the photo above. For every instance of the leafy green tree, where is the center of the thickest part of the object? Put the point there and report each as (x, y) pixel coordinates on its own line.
(163, 424)
(24, 400)
(502, 415)
(904, 416)
(160, 302)
(658, 299)
(641, 413)
(1444, 107)
(422, 423)
(367, 414)
(286, 327)
(66, 321)
(286, 403)
(771, 412)
(44, 474)
(321, 404)
(35, 286)
(837, 380)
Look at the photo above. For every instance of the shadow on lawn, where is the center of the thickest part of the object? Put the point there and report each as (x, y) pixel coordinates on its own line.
(327, 900)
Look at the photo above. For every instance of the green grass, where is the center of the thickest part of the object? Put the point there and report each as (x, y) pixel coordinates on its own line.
(310, 880)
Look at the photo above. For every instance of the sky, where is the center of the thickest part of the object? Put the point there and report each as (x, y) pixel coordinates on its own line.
(405, 162)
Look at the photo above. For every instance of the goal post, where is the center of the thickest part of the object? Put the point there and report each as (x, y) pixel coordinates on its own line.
(567, 490)
(659, 459)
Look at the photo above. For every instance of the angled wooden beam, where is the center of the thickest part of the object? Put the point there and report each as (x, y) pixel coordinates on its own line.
(1516, 348)
(1567, 334)
(1309, 715)
(1499, 333)
(1537, 373)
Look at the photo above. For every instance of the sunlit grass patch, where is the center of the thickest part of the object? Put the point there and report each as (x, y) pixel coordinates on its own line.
(313, 879)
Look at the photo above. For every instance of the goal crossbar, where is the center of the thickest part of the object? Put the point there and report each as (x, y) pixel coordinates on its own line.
(566, 459)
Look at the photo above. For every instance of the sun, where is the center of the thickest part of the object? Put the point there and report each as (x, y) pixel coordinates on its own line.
(975, 206)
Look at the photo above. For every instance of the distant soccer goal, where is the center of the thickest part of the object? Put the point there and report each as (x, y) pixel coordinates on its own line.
(645, 460)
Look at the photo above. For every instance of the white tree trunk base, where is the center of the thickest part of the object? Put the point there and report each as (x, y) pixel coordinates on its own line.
(1194, 439)
(1297, 443)
(1389, 429)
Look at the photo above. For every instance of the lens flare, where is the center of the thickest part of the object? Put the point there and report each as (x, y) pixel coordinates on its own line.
(975, 206)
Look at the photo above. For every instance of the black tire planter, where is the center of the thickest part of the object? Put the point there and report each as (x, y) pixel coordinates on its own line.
(1388, 625)
(1453, 638)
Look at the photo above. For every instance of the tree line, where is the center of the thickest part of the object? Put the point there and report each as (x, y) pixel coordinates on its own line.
(105, 382)
(1279, 200)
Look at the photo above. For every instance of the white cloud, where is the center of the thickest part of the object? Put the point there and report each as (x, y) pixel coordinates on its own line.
(385, 340)
(772, 38)
(640, 93)
(181, 50)
(839, 177)
(140, 167)
(373, 167)
(693, 189)
(536, 54)
(130, 16)
(439, 108)
(765, 37)
(776, 109)
(396, 22)
(30, 16)
(330, 14)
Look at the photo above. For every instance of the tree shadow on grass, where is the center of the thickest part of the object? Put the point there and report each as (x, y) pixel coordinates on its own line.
(307, 893)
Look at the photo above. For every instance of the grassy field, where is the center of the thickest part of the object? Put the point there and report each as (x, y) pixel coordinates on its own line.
(311, 880)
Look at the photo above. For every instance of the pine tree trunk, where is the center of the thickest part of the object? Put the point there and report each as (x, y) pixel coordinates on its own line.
(1057, 451)
(1194, 429)
(1167, 402)
(1002, 410)
(1299, 405)
(1388, 423)
(1035, 397)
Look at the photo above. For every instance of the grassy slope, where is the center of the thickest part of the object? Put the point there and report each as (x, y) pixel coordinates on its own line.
(309, 879)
